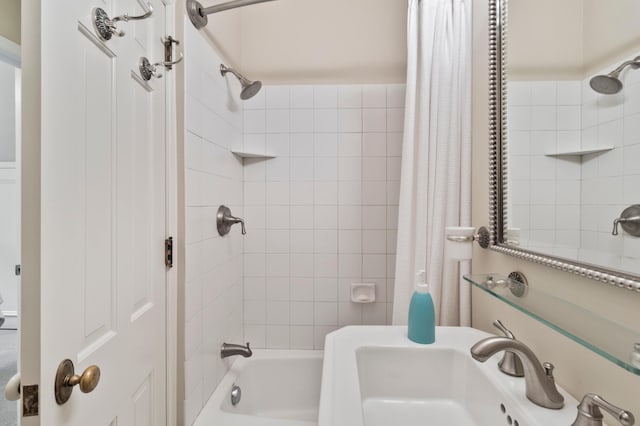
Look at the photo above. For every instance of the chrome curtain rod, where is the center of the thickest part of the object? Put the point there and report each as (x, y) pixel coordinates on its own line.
(230, 5)
(198, 14)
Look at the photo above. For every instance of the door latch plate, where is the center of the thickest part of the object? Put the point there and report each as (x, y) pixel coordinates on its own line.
(30, 401)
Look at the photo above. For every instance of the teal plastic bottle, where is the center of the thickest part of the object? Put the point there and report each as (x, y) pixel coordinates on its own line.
(422, 315)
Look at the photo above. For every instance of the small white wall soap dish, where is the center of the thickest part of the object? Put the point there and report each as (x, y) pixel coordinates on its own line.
(363, 292)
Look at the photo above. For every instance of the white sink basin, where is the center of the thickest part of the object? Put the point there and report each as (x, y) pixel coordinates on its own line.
(375, 376)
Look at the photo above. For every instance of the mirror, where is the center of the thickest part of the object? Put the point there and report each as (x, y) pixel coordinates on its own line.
(565, 145)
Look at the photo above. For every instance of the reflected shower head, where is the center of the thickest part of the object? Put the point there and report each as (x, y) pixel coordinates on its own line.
(249, 88)
(610, 84)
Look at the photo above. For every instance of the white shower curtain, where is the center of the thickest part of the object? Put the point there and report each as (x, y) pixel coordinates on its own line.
(435, 188)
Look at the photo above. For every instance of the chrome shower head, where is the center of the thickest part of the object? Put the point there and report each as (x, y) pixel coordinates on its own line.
(610, 84)
(606, 84)
(249, 88)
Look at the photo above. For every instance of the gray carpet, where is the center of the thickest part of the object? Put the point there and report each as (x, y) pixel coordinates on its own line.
(8, 367)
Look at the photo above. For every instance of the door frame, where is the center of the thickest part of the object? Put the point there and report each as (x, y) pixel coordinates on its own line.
(30, 169)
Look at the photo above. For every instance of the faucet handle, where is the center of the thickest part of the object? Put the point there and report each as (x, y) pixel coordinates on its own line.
(500, 326)
(510, 364)
(548, 369)
(589, 413)
(224, 220)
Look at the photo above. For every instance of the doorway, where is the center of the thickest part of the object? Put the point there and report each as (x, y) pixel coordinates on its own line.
(9, 221)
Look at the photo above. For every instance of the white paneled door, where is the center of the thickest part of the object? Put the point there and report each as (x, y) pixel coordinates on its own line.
(103, 277)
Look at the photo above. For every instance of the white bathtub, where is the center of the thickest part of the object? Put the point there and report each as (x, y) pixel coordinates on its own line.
(279, 387)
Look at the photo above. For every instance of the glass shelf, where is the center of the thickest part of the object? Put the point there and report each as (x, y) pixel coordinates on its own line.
(611, 340)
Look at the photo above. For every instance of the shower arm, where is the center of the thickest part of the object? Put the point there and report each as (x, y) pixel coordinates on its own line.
(224, 70)
(635, 63)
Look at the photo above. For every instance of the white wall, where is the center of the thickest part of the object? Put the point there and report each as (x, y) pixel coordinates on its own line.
(7, 112)
(578, 370)
(569, 39)
(213, 176)
(548, 35)
(10, 20)
(323, 213)
(325, 41)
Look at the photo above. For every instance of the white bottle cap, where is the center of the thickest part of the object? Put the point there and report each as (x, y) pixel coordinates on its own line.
(421, 285)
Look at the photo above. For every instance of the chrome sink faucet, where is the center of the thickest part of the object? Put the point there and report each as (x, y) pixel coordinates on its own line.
(229, 349)
(539, 381)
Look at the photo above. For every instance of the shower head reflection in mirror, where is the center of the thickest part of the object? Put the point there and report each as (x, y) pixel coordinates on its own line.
(610, 84)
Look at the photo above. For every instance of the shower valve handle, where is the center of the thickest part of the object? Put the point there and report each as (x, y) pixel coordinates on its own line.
(106, 27)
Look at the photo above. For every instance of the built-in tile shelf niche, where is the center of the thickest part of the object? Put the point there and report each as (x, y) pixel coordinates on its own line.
(251, 154)
(578, 152)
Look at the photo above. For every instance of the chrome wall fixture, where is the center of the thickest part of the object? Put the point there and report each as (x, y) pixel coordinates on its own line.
(147, 70)
(106, 27)
(249, 88)
(224, 221)
(630, 221)
(198, 14)
(482, 236)
(498, 163)
(610, 84)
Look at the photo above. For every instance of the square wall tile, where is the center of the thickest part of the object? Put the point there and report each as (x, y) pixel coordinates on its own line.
(325, 120)
(301, 97)
(301, 337)
(301, 121)
(395, 96)
(302, 313)
(326, 145)
(374, 120)
(543, 93)
(325, 97)
(255, 121)
(277, 97)
(302, 144)
(278, 336)
(350, 144)
(374, 144)
(350, 120)
(374, 96)
(350, 96)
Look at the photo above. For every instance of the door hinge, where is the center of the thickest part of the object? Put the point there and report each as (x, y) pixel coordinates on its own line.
(168, 252)
(30, 401)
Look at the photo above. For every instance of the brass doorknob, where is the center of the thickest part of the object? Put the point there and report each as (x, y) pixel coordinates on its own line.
(66, 379)
(88, 381)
